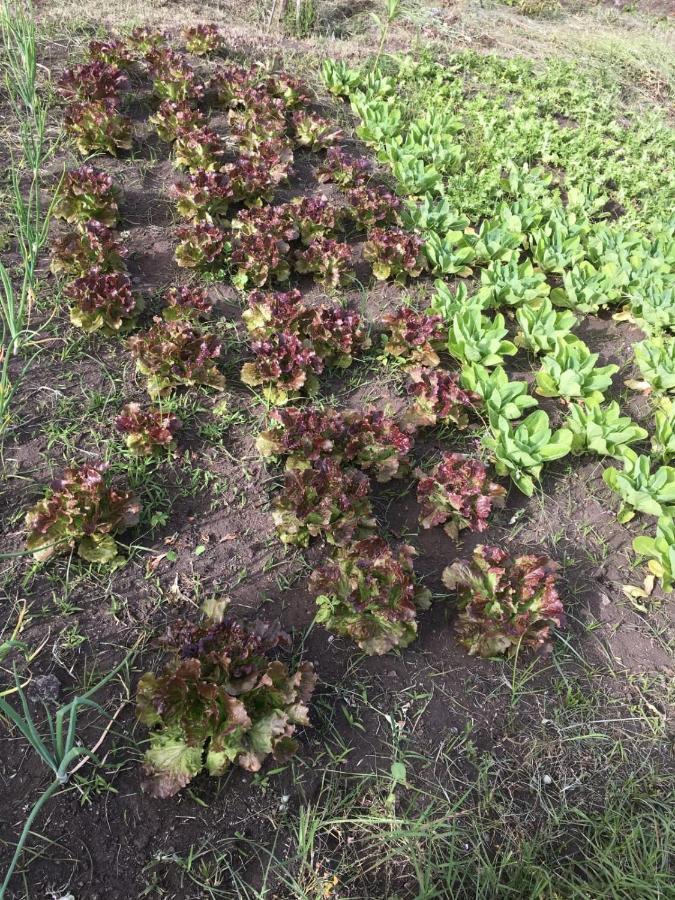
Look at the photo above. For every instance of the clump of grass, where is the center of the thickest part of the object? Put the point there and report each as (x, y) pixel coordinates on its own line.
(29, 219)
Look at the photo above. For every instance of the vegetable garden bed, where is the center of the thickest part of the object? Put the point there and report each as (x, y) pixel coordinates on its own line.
(357, 390)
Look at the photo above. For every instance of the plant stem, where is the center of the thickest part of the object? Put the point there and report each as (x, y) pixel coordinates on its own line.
(51, 790)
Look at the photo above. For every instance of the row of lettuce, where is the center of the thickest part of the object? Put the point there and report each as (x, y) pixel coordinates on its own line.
(220, 699)
(550, 248)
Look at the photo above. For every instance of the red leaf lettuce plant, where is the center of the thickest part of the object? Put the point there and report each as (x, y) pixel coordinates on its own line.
(198, 150)
(186, 302)
(413, 337)
(220, 701)
(342, 169)
(205, 197)
(98, 125)
(270, 312)
(370, 440)
(228, 83)
(76, 253)
(87, 193)
(373, 206)
(146, 429)
(368, 593)
(112, 52)
(174, 117)
(81, 511)
(144, 39)
(173, 78)
(92, 81)
(315, 217)
(504, 603)
(259, 259)
(202, 246)
(457, 494)
(314, 132)
(283, 365)
(202, 39)
(436, 398)
(394, 253)
(171, 354)
(327, 260)
(324, 499)
(101, 301)
(336, 333)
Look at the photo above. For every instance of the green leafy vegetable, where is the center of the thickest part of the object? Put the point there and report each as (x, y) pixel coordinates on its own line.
(570, 372)
(640, 489)
(602, 429)
(521, 450)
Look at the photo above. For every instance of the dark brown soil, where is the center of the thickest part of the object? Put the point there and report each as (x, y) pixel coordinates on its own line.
(214, 494)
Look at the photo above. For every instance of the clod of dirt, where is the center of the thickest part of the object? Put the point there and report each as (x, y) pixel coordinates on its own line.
(46, 688)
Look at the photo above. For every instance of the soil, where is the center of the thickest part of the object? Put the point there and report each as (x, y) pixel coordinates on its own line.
(120, 843)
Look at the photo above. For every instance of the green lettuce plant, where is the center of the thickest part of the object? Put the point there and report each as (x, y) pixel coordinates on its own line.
(601, 429)
(521, 450)
(505, 603)
(219, 701)
(413, 176)
(570, 372)
(475, 338)
(652, 306)
(368, 593)
(661, 552)
(557, 248)
(586, 289)
(663, 439)
(447, 255)
(447, 304)
(513, 284)
(541, 327)
(429, 214)
(640, 489)
(494, 242)
(655, 358)
(338, 78)
(501, 397)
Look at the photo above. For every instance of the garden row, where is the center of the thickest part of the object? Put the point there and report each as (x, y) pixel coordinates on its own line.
(548, 254)
(221, 700)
